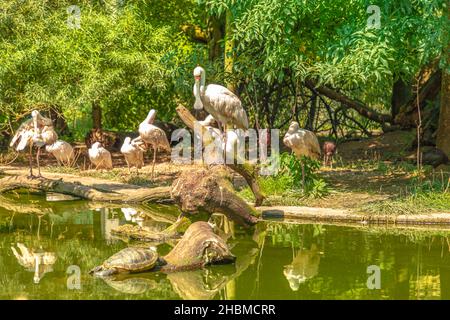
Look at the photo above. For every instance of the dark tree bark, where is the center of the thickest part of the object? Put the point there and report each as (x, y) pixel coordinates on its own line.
(96, 115)
(401, 93)
(312, 113)
(443, 132)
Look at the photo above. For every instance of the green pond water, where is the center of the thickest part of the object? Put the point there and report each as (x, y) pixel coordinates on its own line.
(275, 260)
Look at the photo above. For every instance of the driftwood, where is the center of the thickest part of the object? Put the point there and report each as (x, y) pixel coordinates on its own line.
(138, 195)
(199, 247)
(211, 191)
(247, 170)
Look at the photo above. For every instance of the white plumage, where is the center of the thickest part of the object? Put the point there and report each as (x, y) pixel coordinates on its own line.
(100, 157)
(220, 102)
(302, 142)
(37, 131)
(134, 156)
(62, 151)
(221, 146)
(153, 136)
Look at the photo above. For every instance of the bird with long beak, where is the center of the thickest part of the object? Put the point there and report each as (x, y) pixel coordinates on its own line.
(37, 131)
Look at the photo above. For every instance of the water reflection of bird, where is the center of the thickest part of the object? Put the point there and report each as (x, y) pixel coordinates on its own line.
(38, 261)
(100, 157)
(304, 266)
(151, 135)
(37, 131)
(129, 214)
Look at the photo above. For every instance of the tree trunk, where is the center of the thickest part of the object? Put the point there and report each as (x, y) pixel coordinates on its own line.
(401, 93)
(229, 51)
(312, 113)
(96, 115)
(215, 36)
(443, 132)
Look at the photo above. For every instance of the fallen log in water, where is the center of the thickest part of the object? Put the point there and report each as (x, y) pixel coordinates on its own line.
(211, 191)
(199, 247)
(137, 195)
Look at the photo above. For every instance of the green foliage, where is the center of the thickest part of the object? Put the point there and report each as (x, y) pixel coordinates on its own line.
(124, 57)
(291, 167)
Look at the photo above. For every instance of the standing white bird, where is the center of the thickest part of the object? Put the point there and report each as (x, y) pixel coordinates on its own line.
(303, 143)
(220, 102)
(153, 136)
(37, 131)
(134, 155)
(62, 151)
(100, 157)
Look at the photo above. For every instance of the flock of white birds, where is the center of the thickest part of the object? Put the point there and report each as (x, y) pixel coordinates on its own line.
(222, 105)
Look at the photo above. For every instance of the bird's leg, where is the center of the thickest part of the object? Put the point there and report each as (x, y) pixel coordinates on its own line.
(154, 161)
(224, 144)
(303, 175)
(30, 156)
(37, 160)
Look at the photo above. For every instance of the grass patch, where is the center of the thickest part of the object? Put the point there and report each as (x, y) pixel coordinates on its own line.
(423, 197)
(286, 188)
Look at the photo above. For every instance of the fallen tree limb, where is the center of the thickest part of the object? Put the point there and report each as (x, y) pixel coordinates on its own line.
(358, 106)
(247, 170)
(138, 195)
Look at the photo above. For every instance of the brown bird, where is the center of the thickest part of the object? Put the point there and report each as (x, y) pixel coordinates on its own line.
(329, 149)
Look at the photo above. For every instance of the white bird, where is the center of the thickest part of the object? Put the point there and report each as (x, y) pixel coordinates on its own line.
(220, 102)
(303, 143)
(153, 136)
(216, 146)
(62, 151)
(100, 157)
(134, 155)
(37, 131)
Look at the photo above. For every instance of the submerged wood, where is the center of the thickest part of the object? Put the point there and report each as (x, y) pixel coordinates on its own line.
(247, 170)
(137, 195)
(211, 191)
(134, 232)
